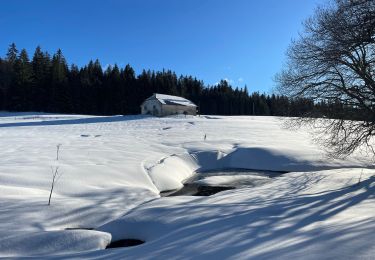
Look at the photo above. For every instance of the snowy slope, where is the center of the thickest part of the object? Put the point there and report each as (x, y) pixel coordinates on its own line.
(113, 169)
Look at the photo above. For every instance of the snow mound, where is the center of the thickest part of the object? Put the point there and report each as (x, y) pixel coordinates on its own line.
(169, 172)
(53, 242)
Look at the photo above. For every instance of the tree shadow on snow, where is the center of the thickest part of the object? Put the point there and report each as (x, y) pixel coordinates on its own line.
(90, 120)
(290, 225)
(268, 159)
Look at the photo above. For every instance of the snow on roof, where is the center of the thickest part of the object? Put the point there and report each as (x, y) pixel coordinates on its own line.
(173, 100)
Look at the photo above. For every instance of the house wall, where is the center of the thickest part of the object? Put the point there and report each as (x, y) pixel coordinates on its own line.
(173, 110)
(155, 108)
(151, 107)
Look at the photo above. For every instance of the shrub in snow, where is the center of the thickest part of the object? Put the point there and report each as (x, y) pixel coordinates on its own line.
(55, 174)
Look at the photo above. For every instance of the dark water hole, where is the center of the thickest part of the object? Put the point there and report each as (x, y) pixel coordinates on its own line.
(125, 243)
(128, 242)
(79, 228)
(192, 187)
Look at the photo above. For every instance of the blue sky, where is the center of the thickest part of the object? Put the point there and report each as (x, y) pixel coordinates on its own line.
(243, 41)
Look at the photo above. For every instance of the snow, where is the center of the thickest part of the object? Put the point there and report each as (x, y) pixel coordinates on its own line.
(179, 167)
(233, 180)
(318, 215)
(58, 242)
(113, 169)
(173, 100)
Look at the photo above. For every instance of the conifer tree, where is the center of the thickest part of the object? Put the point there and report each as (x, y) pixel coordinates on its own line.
(60, 96)
(12, 54)
(22, 83)
(41, 66)
(49, 85)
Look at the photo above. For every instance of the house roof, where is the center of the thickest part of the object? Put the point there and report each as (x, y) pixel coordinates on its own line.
(172, 100)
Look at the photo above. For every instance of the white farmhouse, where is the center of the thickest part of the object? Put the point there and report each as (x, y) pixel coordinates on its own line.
(165, 105)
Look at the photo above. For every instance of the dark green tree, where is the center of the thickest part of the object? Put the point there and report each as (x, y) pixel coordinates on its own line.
(21, 93)
(41, 66)
(60, 98)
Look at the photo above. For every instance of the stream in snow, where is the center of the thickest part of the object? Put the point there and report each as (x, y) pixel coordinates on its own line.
(207, 183)
(210, 182)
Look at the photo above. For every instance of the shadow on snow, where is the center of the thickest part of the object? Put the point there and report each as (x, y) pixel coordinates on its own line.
(292, 223)
(89, 120)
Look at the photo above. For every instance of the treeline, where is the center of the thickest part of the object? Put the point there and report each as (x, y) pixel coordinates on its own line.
(46, 83)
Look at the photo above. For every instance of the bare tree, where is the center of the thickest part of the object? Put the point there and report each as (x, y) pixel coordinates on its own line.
(57, 151)
(55, 174)
(334, 61)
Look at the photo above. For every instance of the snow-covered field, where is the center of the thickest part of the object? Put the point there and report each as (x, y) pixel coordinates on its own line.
(113, 169)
